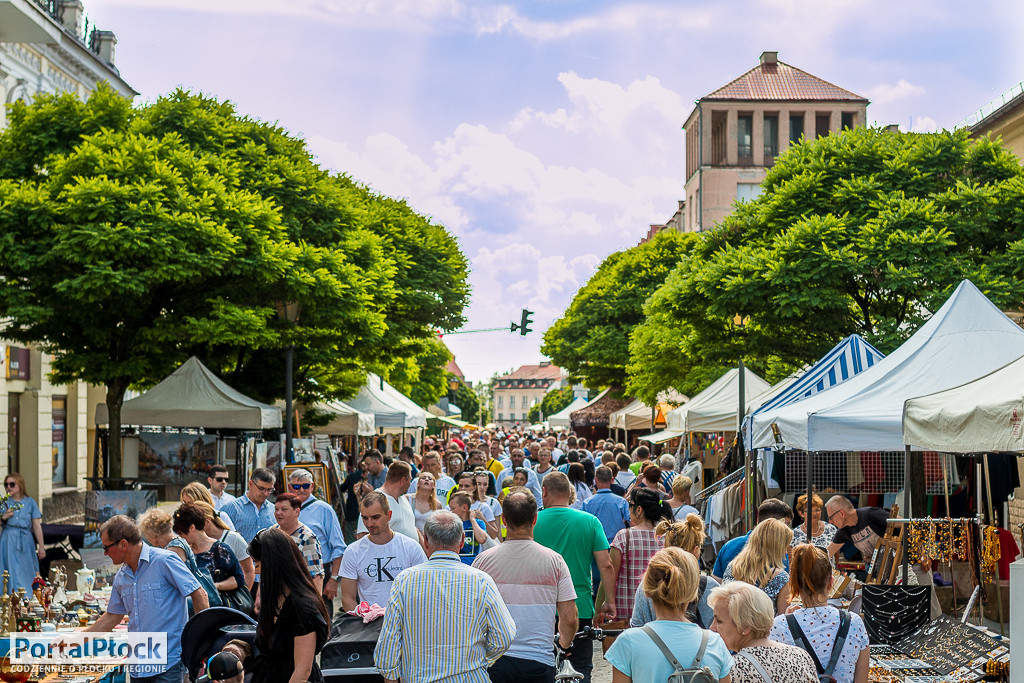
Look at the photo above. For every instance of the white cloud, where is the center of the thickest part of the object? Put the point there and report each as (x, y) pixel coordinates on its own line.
(924, 124)
(623, 18)
(885, 92)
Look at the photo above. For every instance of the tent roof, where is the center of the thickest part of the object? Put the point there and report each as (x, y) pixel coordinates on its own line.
(192, 396)
(980, 416)
(967, 338)
(346, 420)
(390, 408)
(561, 418)
(714, 409)
(637, 415)
(595, 413)
(846, 359)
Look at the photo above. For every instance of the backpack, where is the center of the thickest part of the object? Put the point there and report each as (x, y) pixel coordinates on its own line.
(692, 610)
(824, 674)
(696, 673)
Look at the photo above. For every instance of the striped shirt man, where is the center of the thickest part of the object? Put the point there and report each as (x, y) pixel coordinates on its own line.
(445, 622)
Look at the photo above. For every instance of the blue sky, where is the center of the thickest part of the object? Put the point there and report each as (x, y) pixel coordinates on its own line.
(545, 134)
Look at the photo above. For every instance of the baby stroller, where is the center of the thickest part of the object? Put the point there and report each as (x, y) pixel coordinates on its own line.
(207, 632)
(348, 656)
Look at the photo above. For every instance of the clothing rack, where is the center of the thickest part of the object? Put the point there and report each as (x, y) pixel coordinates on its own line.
(725, 481)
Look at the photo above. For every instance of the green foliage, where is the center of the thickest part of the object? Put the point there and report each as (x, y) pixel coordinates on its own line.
(466, 399)
(591, 340)
(862, 232)
(131, 239)
(422, 377)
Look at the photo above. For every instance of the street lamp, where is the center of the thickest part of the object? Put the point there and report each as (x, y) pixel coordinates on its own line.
(288, 311)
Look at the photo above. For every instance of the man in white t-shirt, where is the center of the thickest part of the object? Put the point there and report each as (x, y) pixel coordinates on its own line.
(431, 462)
(370, 565)
(396, 485)
(535, 584)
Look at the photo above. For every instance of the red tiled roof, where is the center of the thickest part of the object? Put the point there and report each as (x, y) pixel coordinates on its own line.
(780, 81)
(534, 372)
(454, 368)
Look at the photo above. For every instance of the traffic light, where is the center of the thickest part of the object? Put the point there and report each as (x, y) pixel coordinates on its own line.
(524, 324)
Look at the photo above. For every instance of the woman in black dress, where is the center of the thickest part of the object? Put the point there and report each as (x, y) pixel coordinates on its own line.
(292, 625)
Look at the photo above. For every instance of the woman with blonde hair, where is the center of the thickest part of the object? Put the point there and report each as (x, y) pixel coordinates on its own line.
(822, 532)
(817, 627)
(688, 535)
(155, 526)
(680, 501)
(639, 653)
(744, 617)
(21, 543)
(424, 501)
(218, 530)
(197, 493)
(762, 562)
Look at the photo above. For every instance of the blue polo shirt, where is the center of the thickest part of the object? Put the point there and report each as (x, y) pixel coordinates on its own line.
(610, 509)
(154, 598)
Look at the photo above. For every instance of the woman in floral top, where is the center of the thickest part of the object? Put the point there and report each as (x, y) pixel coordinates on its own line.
(634, 546)
(822, 532)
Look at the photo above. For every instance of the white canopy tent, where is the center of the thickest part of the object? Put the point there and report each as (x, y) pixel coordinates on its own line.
(965, 339)
(637, 415)
(981, 416)
(192, 396)
(392, 411)
(848, 358)
(715, 409)
(561, 418)
(346, 420)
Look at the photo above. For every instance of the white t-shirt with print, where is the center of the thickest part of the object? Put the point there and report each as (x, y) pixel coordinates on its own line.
(375, 567)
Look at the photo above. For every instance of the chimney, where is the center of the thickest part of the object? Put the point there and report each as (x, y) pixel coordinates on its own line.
(103, 43)
(769, 58)
(892, 128)
(71, 15)
(545, 363)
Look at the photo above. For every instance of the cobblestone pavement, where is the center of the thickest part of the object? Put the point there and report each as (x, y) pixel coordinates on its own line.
(602, 669)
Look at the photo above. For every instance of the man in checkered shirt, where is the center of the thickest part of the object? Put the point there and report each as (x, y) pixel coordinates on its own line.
(286, 512)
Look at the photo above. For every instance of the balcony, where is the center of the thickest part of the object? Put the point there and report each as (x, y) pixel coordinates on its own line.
(29, 21)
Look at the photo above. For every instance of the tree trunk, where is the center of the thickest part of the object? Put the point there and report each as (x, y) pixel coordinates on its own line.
(115, 398)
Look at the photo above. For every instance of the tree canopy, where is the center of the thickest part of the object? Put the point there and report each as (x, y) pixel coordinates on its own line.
(866, 232)
(591, 340)
(132, 238)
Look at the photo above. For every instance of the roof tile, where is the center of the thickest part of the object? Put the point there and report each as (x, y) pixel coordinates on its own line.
(780, 81)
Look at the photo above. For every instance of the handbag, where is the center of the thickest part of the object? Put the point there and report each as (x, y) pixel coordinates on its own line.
(602, 592)
(204, 577)
(238, 599)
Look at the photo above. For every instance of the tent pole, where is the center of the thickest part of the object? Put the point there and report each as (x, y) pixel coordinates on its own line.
(906, 502)
(992, 521)
(976, 575)
(945, 495)
(810, 494)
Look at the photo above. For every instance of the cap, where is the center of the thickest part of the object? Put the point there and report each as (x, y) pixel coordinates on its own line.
(223, 666)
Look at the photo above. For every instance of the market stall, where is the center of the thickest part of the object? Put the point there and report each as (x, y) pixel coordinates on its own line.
(561, 418)
(393, 412)
(591, 421)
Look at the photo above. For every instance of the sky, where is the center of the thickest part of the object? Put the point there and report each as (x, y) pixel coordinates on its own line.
(545, 134)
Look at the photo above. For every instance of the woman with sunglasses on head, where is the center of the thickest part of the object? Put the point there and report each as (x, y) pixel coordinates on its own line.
(292, 626)
(634, 546)
(424, 501)
(21, 542)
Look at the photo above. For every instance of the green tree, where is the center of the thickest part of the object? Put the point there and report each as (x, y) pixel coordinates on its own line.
(423, 377)
(466, 399)
(863, 232)
(133, 238)
(591, 340)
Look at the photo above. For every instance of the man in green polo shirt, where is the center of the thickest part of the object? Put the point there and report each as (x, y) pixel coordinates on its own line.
(579, 538)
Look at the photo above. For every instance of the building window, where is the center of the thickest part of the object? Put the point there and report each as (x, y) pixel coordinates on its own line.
(501, 416)
(745, 140)
(796, 128)
(59, 437)
(18, 362)
(849, 119)
(719, 135)
(501, 400)
(746, 192)
(524, 402)
(821, 123)
(771, 138)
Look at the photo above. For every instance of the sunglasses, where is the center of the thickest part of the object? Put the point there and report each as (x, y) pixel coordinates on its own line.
(10, 484)
(302, 487)
(221, 479)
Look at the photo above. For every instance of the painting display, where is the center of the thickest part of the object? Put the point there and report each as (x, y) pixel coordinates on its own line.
(176, 457)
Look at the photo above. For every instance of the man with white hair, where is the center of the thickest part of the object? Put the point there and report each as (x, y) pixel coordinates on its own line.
(667, 463)
(444, 621)
(323, 522)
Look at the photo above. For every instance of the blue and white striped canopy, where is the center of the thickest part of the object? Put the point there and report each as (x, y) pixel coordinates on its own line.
(847, 359)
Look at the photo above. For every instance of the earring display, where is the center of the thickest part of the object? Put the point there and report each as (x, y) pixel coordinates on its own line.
(946, 644)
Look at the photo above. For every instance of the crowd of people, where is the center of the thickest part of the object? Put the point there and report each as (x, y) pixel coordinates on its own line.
(490, 553)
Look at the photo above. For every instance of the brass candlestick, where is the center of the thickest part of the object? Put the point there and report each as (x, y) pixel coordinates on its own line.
(5, 610)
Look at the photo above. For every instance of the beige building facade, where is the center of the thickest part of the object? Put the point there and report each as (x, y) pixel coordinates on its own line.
(518, 391)
(734, 134)
(1002, 118)
(47, 430)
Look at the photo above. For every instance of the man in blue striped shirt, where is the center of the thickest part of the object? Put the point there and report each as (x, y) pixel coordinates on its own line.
(444, 621)
(323, 520)
(253, 512)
